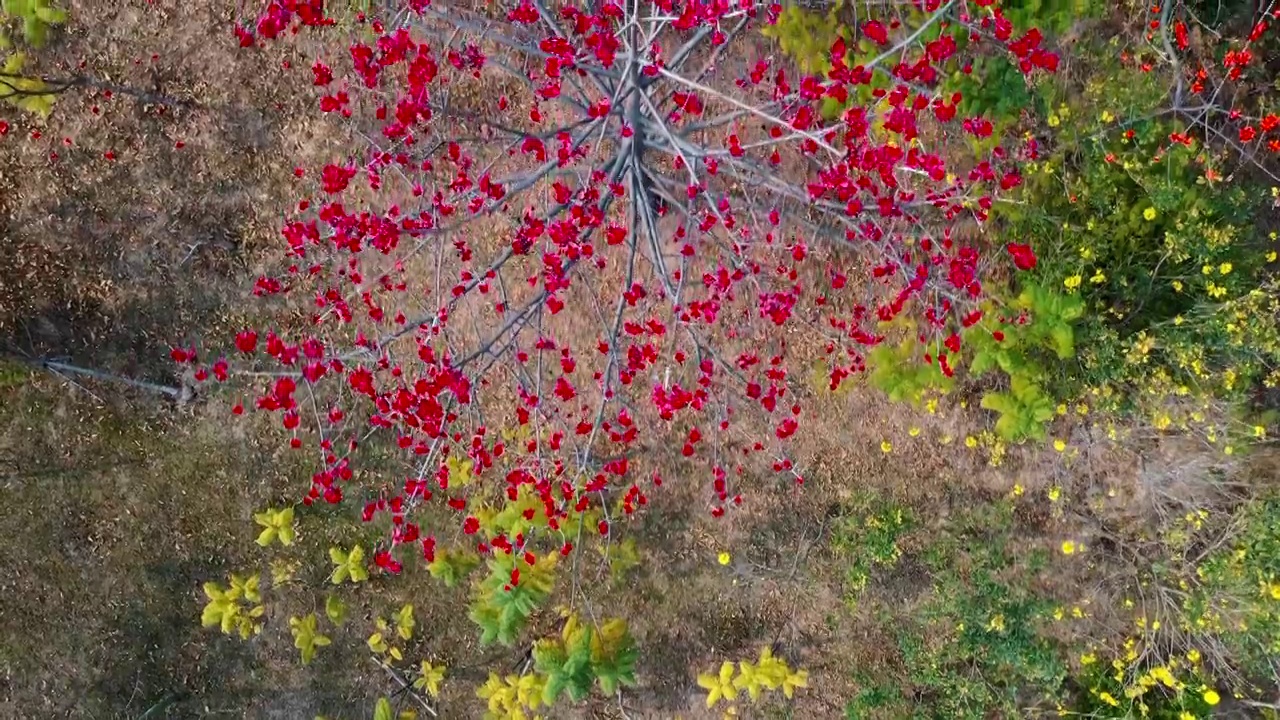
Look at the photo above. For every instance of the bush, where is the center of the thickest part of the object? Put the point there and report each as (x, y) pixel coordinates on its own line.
(1139, 224)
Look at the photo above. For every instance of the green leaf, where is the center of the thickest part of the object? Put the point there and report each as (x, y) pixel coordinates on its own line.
(348, 565)
(51, 16)
(1063, 341)
(382, 711)
(335, 610)
(451, 567)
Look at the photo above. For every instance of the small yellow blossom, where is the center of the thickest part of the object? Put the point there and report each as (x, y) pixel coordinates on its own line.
(971, 442)
(1073, 282)
(1099, 277)
(1271, 256)
(1211, 697)
(1059, 445)
(1149, 214)
(914, 432)
(1177, 286)
(1017, 491)
(1068, 547)
(886, 446)
(1259, 432)
(1224, 268)
(1053, 120)
(1193, 655)
(724, 558)
(1055, 492)
(1106, 116)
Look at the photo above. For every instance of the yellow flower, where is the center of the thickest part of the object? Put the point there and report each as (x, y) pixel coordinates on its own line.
(1224, 268)
(1068, 547)
(1259, 432)
(1073, 282)
(1017, 491)
(1177, 286)
(1271, 256)
(1275, 591)
(914, 432)
(1106, 116)
(719, 687)
(971, 442)
(1211, 697)
(1099, 277)
(1109, 699)
(1193, 655)
(1059, 445)
(723, 558)
(1149, 214)
(1053, 120)
(1055, 492)
(1184, 715)
(886, 446)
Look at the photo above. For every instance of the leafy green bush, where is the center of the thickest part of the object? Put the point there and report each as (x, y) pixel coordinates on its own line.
(1140, 225)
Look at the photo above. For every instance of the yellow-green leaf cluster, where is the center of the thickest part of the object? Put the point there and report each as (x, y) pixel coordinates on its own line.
(348, 565)
(26, 93)
(235, 608)
(769, 673)
(429, 679)
(276, 525)
(403, 623)
(512, 697)
(306, 637)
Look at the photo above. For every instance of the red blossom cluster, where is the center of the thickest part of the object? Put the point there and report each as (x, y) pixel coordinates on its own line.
(617, 248)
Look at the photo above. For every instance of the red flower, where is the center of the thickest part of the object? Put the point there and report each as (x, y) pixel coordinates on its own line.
(876, 31)
(1023, 257)
(323, 75)
(246, 341)
(335, 178)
